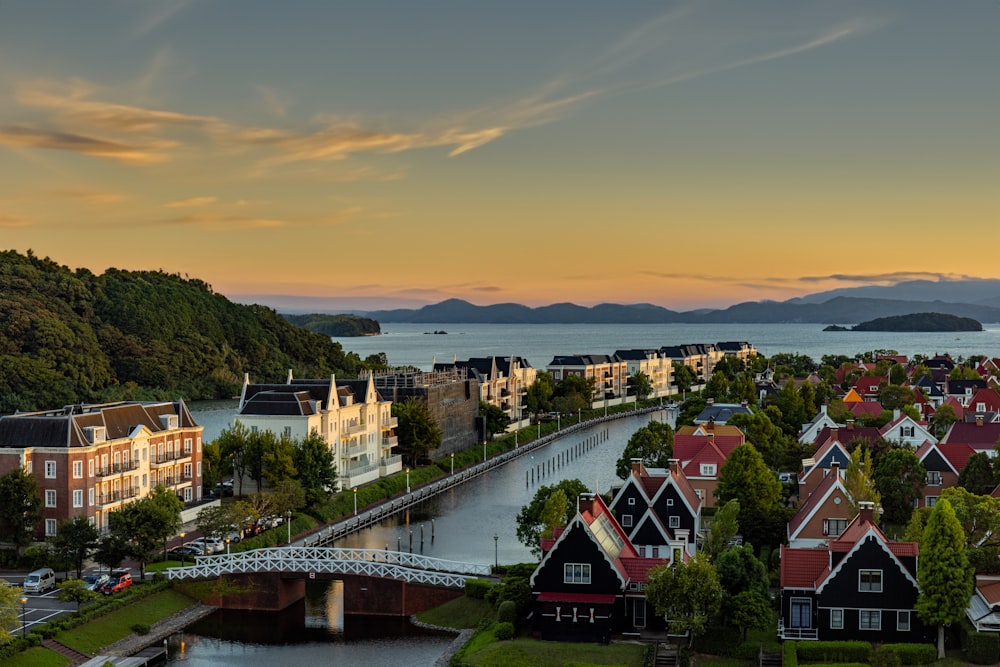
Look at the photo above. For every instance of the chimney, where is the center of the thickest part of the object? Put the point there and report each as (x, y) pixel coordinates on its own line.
(675, 466)
(710, 424)
(979, 420)
(895, 414)
(637, 467)
(711, 436)
(744, 403)
(866, 510)
(834, 432)
(710, 402)
(850, 424)
(585, 503)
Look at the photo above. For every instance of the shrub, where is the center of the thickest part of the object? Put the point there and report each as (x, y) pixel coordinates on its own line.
(886, 657)
(791, 655)
(477, 588)
(838, 651)
(140, 628)
(982, 648)
(719, 640)
(507, 612)
(909, 654)
(504, 631)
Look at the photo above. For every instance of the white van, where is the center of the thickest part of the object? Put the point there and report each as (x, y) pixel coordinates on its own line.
(40, 581)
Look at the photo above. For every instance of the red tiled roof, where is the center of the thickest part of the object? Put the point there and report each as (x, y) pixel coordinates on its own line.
(989, 588)
(802, 568)
(957, 454)
(978, 437)
(818, 496)
(904, 549)
(638, 568)
(955, 405)
(866, 409)
(988, 396)
(591, 598)
(695, 450)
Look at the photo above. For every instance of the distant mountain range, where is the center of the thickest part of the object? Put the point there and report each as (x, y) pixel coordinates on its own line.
(978, 299)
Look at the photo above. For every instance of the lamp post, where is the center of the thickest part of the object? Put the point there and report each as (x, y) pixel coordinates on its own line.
(484, 450)
(24, 601)
(181, 535)
(453, 463)
(227, 546)
(407, 480)
(288, 521)
(355, 501)
(496, 551)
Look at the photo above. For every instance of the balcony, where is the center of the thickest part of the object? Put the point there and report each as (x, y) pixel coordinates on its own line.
(391, 422)
(355, 449)
(169, 457)
(117, 496)
(796, 633)
(116, 469)
(390, 441)
(353, 429)
(390, 465)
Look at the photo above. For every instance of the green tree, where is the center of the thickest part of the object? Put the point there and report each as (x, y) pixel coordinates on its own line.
(495, 420)
(748, 609)
(20, 507)
(640, 386)
(317, 468)
(145, 525)
(684, 378)
(859, 480)
(978, 475)
(724, 527)
(942, 420)
(793, 410)
(278, 460)
(232, 442)
(943, 574)
(744, 581)
(653, 443)
(894, 397)
(111, 550)
(717, 388)
(746, 478)
(897, 374)
(687, 594)
(288, 496)
(554, 513)
(215, 520)
(76, 540)
(212, 468)
(531, 520)
(10, 608)
(573, 393)
(538, 397)
(75, 590)
(978, 514)
(769, 439)
(417, 430)
(899, 476)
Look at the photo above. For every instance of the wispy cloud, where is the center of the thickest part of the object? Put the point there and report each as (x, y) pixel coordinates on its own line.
(158, 14)
(191, 202)
(149, 153)
(12, 222)
(219, 221)
(891, 277)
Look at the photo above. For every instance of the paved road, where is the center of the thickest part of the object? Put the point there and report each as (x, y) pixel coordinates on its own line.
(37, 609)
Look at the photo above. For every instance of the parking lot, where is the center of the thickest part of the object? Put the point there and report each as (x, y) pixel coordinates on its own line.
(39, 608)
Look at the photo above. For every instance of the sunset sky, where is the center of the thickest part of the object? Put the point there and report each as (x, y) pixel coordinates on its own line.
(685, 154)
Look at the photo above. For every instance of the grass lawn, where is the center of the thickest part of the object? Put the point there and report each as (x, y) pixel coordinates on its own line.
(460, 613)
(36, 657)
(91, 637)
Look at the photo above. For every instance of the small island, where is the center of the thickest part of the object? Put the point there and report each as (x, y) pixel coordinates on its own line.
(915, 322)
(336, 325)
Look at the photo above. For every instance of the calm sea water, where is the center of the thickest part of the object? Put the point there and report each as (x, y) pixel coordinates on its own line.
(411, 345)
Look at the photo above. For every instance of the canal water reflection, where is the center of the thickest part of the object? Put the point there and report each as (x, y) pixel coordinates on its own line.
(473, 522)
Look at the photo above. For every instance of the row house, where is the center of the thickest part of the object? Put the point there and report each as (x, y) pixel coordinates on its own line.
(654, 364)
(90, 460)
(824, 515)
(699, 357)
(591, 581)
(741, 350)
(702, 450)
(861, 586)
(964, 390)
(610, 375)
(943, 464)
(350, 415)
(503, 382)
(659, 510)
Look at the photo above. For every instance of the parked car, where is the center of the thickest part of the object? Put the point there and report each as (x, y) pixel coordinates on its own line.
(182, 553)
(95, 581)
(208, 545)
(40, 580)
(197, 548)
(119, 580)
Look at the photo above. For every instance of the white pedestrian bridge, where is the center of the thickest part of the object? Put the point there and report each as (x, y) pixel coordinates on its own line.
(311, 561)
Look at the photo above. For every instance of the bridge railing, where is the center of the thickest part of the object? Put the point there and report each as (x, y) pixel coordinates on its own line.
(413, 568)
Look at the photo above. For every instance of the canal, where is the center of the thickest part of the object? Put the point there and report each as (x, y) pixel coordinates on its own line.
(472, 522)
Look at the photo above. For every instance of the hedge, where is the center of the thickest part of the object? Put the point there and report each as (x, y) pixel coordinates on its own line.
(504, 631)
(835, 651)
(982, 648)
(507, 612)
(909, 654)
(477, 588)
(791, 657)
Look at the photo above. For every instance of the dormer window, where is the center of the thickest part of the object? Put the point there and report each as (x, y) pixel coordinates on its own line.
(934, 478)
(980, 406)
(708, 470)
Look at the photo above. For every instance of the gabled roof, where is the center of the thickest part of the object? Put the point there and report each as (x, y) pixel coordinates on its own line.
(866, 409)
(830, 484)
(955, 455)
(720, 413)
(867, 385)
(693, 451)
(801, 568)
(979, 436)
(720, 430)
(852, 396)
(989, 397)
(955, 405)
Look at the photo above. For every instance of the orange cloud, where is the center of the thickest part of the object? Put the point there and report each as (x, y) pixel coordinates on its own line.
(150, 153)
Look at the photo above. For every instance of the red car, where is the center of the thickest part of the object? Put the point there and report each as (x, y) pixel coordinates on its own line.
(119, 581)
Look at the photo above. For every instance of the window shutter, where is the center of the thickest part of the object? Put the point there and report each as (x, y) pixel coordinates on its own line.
(826, 526)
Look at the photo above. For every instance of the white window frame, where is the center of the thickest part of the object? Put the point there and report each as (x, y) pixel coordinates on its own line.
(670, 502)
(90, 467)
(626, 520)
(188, 495)
(931, 501)
(631, 501)
(77, 469)
(903, 620)
(50, 469)
(674, 521)
(708, 470)
(50, 498)
(933, 478)
(50, 527)
(77, 497)
(576, 573)
(837, 619)
(872, 615)
(871, 586)
(90, 496)
(187, 445)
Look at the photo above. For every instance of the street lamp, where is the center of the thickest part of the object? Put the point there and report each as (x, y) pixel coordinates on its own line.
(288, 520)
(355, 501)
(24, 601)
(407, 480)
(453, 463)
(227, 546)
(181, 535)
(484, 450)
(496, 551)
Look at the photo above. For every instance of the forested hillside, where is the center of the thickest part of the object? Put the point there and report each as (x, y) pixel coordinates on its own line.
(70, 336)
(336, 325)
